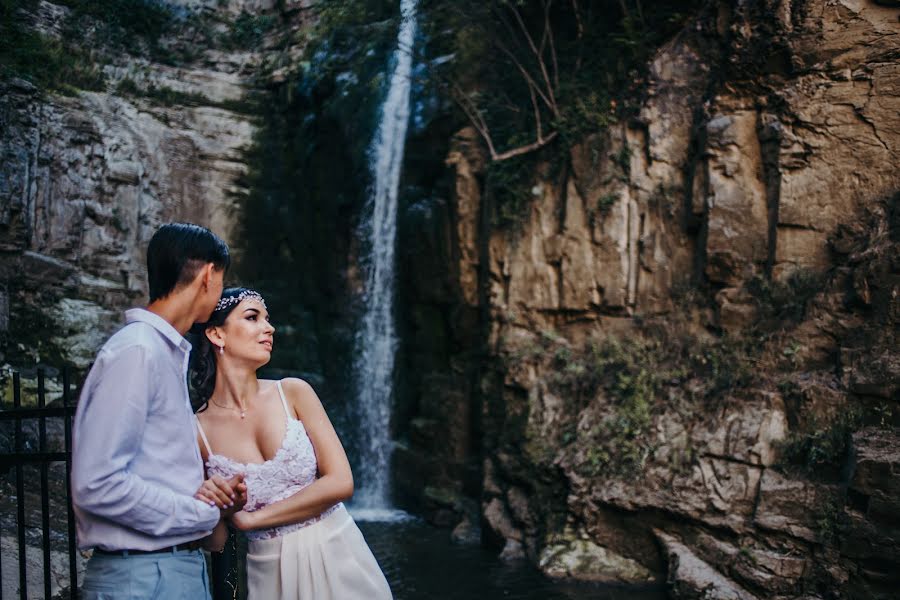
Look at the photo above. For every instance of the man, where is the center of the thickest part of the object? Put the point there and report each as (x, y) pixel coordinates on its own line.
(137, 475)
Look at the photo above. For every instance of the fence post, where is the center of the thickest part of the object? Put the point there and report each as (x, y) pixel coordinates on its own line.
(20, 489)
(73, 565)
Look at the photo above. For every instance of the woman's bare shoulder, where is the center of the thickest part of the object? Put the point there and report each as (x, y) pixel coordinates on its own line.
(296, 386)
(301, 395)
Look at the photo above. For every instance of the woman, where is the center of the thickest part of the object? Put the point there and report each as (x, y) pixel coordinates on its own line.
(302, 541)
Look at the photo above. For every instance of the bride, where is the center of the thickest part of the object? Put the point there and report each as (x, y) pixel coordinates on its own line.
(302, 541)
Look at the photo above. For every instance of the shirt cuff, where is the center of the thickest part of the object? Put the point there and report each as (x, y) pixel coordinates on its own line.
(207, 516)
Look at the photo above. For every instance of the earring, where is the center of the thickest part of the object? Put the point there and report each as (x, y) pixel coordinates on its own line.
(222, 349)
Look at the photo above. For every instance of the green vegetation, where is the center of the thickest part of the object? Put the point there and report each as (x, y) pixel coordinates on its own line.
(349, 15)
(92, 29)
(45, 62)
(137, 27)
(93, 32)
(118, 22)
(634, 379)
(832, 521)
(167, 96)
(536, 77)
(606, 202)
(822, 451)
(785, 301)
(247, 31)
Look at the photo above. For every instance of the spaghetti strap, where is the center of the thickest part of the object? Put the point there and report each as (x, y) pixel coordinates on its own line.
(209, 451)
(287, 411)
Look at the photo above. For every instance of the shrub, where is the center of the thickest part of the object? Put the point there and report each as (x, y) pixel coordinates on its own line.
(46, 62)
(822, 451)
(247, 30)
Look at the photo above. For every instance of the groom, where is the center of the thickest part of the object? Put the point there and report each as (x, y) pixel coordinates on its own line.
(136, 466)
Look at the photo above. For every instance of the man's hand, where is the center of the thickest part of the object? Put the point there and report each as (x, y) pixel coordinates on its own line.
(228, 496)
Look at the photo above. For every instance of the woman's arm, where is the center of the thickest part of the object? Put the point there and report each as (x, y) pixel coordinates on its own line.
(335, 482)
(215, 542)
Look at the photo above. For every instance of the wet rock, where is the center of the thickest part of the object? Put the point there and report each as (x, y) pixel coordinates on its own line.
(500, 523)
(692, 578)
(577, 557)
(466, 533)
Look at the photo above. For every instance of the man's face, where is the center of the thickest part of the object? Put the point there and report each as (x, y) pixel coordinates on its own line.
(213, 291)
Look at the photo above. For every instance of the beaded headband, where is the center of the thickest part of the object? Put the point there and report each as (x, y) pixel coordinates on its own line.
(245, 295)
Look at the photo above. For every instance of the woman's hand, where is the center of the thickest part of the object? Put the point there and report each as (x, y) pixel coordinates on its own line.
(244, 521)
(222, 494)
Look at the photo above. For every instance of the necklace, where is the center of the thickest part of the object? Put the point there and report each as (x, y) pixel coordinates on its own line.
(243, 411)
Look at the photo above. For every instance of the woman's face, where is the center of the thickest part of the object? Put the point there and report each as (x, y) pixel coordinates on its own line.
(246, 333)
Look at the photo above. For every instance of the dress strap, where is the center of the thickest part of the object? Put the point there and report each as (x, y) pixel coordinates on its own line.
(209, 451)
(287, 411)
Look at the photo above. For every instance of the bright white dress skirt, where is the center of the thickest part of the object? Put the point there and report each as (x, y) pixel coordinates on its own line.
(328, 560)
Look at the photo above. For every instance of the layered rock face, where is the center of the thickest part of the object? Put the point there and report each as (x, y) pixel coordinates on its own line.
(86, 179)
(646, 410)
(679, 367)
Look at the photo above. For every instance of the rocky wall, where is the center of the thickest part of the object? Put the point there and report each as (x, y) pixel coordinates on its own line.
(87, 178)
(761, 160)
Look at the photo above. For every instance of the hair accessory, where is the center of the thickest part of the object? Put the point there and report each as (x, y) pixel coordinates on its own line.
(224, 303)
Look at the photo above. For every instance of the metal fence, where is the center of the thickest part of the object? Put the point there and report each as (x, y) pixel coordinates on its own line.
(21, 457)
(25, 451)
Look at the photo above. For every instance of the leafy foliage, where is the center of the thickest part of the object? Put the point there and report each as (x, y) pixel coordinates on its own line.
(637, 377)
(121, 24)
(529, 74)
(126, 18)
(247, 30)
(39, 59)
(822, 451)
(785, 301)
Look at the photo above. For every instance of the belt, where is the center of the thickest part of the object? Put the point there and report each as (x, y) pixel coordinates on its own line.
(187, 546)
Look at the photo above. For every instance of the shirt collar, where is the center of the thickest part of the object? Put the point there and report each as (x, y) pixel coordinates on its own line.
(158, 323)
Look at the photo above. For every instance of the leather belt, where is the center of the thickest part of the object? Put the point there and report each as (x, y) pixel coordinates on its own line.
(187, 546)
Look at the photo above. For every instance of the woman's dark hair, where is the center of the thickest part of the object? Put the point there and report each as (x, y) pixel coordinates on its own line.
(202, 373)
(177, 251)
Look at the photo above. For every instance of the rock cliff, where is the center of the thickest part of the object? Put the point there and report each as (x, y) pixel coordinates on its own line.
(686, 374)
(679, 366)
(87, 177)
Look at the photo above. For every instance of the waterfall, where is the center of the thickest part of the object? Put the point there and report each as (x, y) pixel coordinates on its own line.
(377, 342)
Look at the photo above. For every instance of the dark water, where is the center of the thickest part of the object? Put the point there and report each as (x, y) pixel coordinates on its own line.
(421, 563)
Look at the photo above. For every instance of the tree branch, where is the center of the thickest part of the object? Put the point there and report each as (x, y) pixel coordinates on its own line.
(579, 34)
(550, 102)
(540, 59)
(539, 143)
(474, 116)
(549, 33)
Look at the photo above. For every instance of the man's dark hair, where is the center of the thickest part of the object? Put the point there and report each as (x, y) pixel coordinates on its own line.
(177, 251)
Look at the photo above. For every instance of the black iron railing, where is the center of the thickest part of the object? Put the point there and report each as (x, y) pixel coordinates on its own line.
(25, 454)
(19, 455)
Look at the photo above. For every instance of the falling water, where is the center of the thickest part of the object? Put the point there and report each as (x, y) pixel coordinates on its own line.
(377, 341)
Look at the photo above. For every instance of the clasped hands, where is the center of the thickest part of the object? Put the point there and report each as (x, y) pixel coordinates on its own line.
(229, 496)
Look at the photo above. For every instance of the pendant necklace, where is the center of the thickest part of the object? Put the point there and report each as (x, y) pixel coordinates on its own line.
(243, 411)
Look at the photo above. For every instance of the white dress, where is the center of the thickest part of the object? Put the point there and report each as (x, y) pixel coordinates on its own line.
(323, 558)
